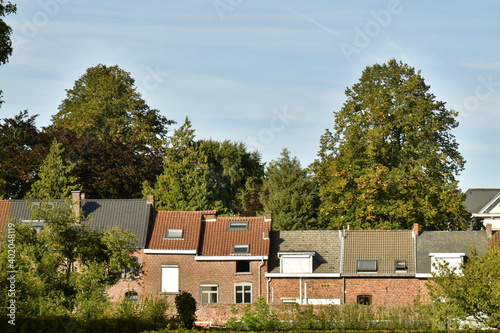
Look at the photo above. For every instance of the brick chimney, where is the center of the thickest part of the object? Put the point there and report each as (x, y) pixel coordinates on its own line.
(76, 199)
(416, 229)
(151, 200)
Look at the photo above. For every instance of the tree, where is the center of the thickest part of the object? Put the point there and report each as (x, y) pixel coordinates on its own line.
(186, 309)
(472, 293)
(183, 185)
(289, 193)
(66, 267)
(230, 167)
(55, 181)
(19, 139)
(105, 102)
(6, 8)
(392, 158)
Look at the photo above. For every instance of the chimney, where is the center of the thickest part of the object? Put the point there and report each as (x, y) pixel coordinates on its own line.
(76, 198)
(489, 230)
(268, 216)
(416, 229)
(151, 200)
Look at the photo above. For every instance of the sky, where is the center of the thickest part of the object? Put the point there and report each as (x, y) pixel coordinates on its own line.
(267, 73)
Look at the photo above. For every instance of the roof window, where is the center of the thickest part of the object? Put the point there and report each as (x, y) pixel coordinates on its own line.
(367, 266)
(175, 233)
(241, 248)
(238, 225)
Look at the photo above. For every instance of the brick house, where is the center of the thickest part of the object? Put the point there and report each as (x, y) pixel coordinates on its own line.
(484, 206)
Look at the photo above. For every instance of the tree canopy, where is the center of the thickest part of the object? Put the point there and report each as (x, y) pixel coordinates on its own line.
(6, 8)
(392, 158)
(290, 194)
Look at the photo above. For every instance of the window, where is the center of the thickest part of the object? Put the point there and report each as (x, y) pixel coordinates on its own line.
(131, 296)
(367, 266)
(364, 300)
(400, 266)
(243, 266)
(209, 293)
(296, 262)
(175, 233)
(452, 260)
(241, 248)
(238, 225)
(170, 278)
(243, 293)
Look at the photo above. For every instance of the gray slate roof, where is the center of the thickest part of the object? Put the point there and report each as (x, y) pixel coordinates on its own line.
(325, 244)
(384, 246)
(477, 198)
(129, 214)
(447, 242)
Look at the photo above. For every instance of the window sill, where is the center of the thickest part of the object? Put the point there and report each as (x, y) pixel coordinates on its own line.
(243, 273)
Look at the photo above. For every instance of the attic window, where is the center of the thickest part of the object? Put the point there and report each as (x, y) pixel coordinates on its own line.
(175, 233)
(400, 266)
(367, 266)
(241, 248)
(238, 225)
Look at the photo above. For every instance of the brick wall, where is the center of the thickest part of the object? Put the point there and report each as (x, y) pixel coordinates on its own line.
(310, 288)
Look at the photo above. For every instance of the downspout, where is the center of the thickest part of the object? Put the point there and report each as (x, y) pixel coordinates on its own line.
(300, 290)
(341, 266)
(260, 276)
(305, 292)
(267, 289)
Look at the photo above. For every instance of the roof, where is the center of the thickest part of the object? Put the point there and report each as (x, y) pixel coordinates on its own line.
(325, 244)
(447, 242)
(477, 198)
(132, 215)
(384, 246)
(4, 214)
(218, 239)
(188, 221)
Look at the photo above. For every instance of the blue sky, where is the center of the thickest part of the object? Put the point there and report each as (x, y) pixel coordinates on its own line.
(268, 73)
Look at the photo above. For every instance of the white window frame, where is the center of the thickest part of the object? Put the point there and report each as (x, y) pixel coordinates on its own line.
(305, 259)
(169, 278)
(209, 293)
(244, 291)
(241, 248)
(238, 225)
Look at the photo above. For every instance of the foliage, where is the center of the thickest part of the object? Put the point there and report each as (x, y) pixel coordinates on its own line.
(105, 102)
(290, 194)
(186, 309)
(230, 165)
(183, 185)
(18, 142)
(6, 8)
(66, 267)
(54, 180)
(473, 293)
(392, 158)
(257, 316)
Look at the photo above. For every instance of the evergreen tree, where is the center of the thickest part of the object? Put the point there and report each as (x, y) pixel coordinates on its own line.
(54, 180)
(392, 158)
(289, 193)
(183, 185)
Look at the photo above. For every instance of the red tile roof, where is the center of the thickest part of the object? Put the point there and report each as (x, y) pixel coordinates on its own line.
(189, 221)
(218, 240)
(4, 214)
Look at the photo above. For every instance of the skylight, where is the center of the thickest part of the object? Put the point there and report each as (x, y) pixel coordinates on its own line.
(238, 225)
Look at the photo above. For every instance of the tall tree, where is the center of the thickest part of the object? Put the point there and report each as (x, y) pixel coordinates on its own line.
(290, 194)
(392, 158)
(19, 139)
(183, 185)
(105, 102)
(230, 167)
(54, 179)
(6, 8)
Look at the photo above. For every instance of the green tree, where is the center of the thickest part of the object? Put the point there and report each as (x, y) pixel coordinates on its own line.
(186, 309)
(230, 167)
(472, 293)
(183, 185)
(19, 143)
(66, 267)
(105, 102)
(290, 194)
(6, 8)
(54, 180)
(392, 158)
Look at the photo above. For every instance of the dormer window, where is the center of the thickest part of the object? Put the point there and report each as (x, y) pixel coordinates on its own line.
(367, 266)
(451, 260)
(238, 225)
(175, 233)
(400, 266)
(241, 248)
(296, 262)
